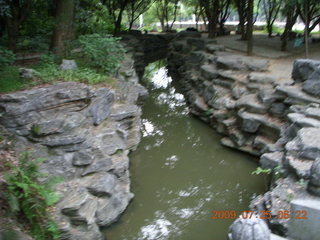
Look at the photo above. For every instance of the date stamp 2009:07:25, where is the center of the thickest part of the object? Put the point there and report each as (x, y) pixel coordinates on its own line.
(282, 214)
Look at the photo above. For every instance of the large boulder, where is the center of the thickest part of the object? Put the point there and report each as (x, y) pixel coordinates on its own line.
(251, 228)
(304, 69)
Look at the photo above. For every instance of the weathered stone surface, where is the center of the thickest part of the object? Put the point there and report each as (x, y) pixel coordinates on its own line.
(101, 107)
(102, 165)
(271, 160)
(101, 184)
(253, 228)
(68, 65)
(82, 158)
(261, 78)
(300, 167)
(209, 72)
(314, 183)
(301, 229)
(295, 95)
(251, 104)
(303, 69)
(312, 87)
(306, 144)
(110, 209)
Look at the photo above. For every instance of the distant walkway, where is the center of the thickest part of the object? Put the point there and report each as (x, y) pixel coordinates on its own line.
(264, 47)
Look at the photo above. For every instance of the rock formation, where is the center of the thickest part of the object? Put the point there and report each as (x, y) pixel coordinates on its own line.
(85, 134)
(257, 114)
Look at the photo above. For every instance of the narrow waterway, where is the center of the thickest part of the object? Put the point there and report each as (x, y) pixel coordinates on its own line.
(180, 173)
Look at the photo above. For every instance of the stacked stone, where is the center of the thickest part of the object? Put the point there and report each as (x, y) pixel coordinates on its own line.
(85, 134)
(278, 121)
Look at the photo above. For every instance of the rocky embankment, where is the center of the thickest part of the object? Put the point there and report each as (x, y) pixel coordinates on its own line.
(85, 134)
(256, 114)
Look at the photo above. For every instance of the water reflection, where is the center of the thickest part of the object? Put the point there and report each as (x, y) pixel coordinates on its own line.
(180, 173)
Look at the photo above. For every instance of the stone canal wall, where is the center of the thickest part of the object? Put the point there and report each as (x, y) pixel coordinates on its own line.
(85, 134)
(257, 114)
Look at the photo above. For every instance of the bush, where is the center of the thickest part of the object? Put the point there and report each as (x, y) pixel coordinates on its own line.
(102, 52)
(7, 57)
(31, 199)
(48, 71)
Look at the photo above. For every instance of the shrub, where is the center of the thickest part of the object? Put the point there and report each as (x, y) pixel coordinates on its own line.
(31, 199)
(102, 52)
(7, 57)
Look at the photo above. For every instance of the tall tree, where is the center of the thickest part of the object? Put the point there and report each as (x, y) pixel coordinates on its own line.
(291, 13)
(64, 28)
(14, 13)
(135, 9)
(167, 12)
(271, 10)
(116, 9)
(242, 9)
(211, 9)
(250, 27)
(224, 13)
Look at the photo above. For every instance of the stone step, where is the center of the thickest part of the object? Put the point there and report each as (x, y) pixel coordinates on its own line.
(302, 229)
(271, 160)
(302, 121)
(251, 104)
(248, 149)
(295, 95)
(209, 72)
(301, 167)
(251, 122)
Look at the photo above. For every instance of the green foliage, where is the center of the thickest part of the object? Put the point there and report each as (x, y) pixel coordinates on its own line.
(102, 52)
(49, 71)
(93, 17)
(10, 79)
(7, 57)
(261, 170)
(31, 199)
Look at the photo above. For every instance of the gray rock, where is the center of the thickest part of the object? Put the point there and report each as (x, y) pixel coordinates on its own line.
(271, 160)
(102, 165)
(110, 209)
(101, 184)
(101, 107)
(312, 87)
(278, 109)
(251, 104)
(314, 183)
(252, 228)
(261, 78)
(209, 72)
(212, 48)
(295, 95)
(82, 158)
(303, 69)
(308, 228)
(313, 112)
(73, 201)
(306, 144)
(68, 65)
(27, 73)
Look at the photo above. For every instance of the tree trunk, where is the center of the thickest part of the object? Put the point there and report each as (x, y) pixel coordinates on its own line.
(269, 28)
(64, 30)
(211, 28)
(13, 32)
(291, 19)
(250, 28)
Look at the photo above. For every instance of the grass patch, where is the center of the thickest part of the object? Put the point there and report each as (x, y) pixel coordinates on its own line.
(10, 80)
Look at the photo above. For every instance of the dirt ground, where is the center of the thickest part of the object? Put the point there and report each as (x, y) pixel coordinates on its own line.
(269, 48)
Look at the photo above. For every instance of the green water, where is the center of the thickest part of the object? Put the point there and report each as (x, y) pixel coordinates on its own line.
(180, 174)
